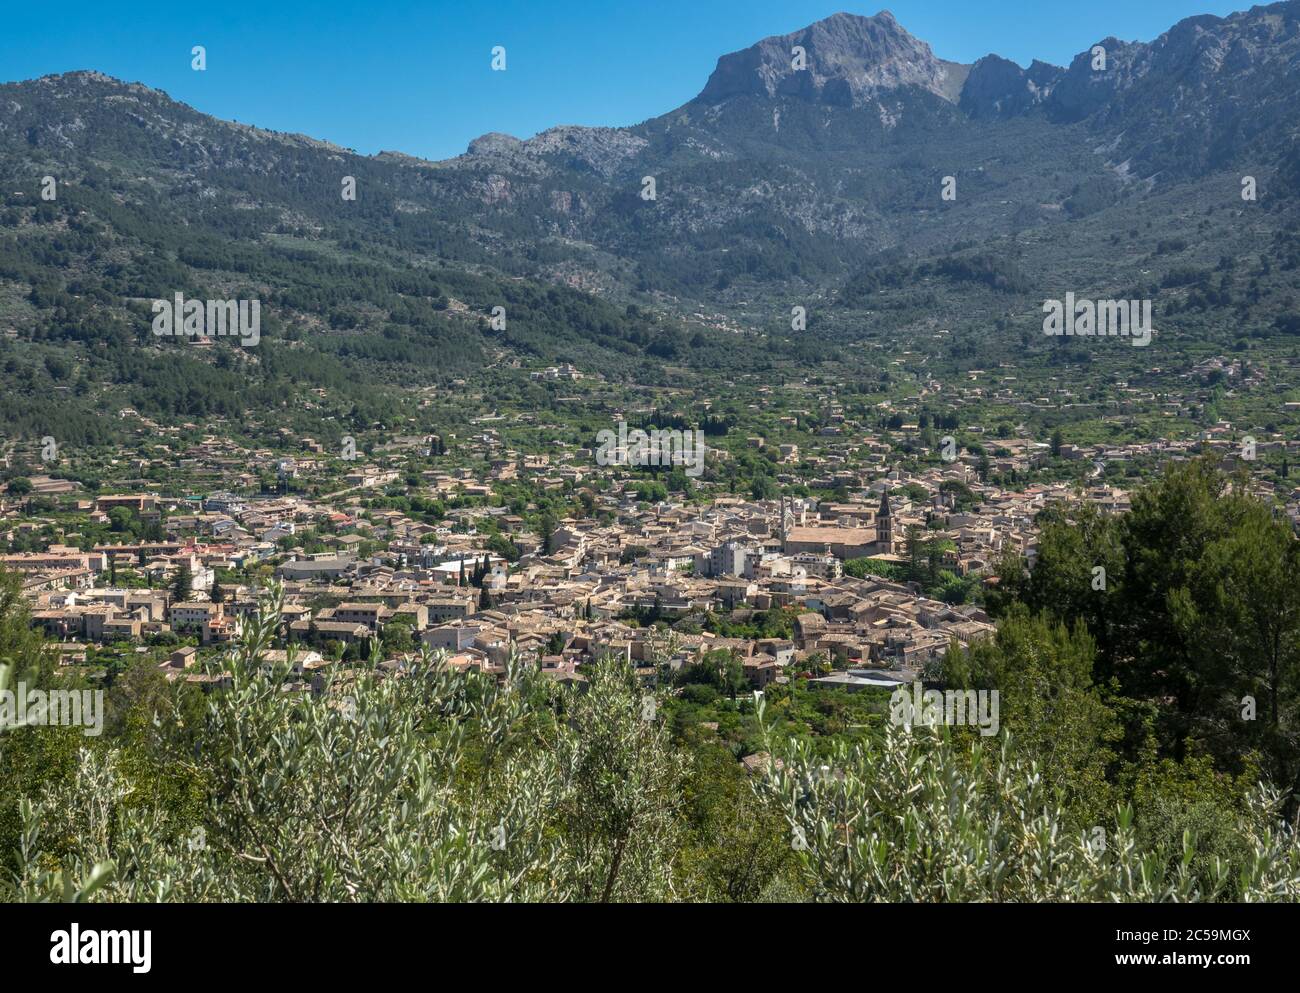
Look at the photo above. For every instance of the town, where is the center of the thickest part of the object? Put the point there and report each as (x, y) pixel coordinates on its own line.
(854, 590)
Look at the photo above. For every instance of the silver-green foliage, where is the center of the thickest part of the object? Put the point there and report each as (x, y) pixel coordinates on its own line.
(424, 784)
(433, 784)
(39, 881)
(920, 817)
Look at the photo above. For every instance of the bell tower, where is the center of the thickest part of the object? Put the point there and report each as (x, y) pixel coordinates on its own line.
(885, 526)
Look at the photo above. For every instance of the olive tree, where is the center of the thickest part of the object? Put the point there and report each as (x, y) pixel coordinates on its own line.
(414, 782)
(915, 815)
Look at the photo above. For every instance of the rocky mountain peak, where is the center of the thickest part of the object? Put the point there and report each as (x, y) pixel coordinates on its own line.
(494, 143)
(998, 88)
(847, 60)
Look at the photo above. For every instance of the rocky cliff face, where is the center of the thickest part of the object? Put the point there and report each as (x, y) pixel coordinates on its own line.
(1208, 90)
(997, 88)
(848, 60)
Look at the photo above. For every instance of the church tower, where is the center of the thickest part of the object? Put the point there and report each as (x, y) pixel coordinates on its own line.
(885, 526)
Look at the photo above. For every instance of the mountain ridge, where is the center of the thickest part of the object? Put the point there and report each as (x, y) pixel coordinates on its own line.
(758, 201)
(841, 75)
(857, 62)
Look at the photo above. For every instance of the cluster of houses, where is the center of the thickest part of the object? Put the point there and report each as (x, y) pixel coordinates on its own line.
(593, 587)
(483, 586)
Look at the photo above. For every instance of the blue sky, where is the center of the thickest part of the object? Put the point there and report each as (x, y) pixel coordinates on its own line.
(415, 77)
